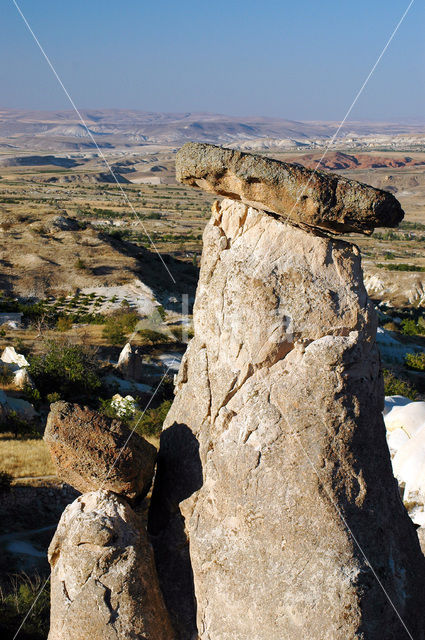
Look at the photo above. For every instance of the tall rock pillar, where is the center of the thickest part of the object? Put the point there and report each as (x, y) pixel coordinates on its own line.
(275, 512)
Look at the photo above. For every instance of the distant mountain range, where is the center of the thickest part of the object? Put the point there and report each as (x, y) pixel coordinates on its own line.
(118, 128)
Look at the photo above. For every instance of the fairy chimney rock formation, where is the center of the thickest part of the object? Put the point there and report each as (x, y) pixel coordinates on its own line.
(273, 465)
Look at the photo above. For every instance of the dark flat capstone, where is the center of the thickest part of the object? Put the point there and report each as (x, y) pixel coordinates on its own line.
(301, 196)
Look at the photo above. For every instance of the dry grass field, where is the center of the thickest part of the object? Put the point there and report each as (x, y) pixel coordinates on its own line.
(38, 258)
(24, 458)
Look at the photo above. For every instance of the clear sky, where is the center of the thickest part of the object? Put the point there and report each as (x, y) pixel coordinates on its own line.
(298, 59)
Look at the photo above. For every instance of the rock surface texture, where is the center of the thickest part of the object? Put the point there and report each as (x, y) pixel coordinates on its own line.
(303, 196)
(103, 583)
(91, 451)
(130, 362)
(274, 496)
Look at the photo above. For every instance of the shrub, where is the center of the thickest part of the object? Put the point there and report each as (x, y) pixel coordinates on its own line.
(154, 215)
(19, 426)
(410, 328)
(64, 323)
(6, 375)
(416, 361)
(395, 386)
(150, 423)
(401, 267)
(16, 601)
(21, 347)
(70, 369)
(161, 312)
(391, 326)
(183, 332)
(53, 397)
(32, 394)
(119, 325)
(80, 264)
(150, 336)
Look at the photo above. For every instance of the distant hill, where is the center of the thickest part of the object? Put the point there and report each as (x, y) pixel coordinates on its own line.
(113, 128)
(336, 160)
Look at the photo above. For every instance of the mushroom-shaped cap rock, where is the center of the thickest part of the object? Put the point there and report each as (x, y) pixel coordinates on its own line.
(301, 196)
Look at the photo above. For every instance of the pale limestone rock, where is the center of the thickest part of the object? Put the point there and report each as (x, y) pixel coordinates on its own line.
(421, 536)
(18, 364)
(130, 362)
(275, 446)
(104, 584)
(10, 356)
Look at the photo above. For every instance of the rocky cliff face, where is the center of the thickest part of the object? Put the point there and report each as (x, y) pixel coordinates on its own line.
(274, 496)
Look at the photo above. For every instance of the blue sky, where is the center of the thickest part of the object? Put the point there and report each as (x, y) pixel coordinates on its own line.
(301, 60)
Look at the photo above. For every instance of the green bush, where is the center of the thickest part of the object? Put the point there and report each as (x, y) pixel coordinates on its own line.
(145, 423)
(53, 397)
(150, 423)
(395, 386)
(401, 267)
(68, 369)
(161, 312)
(6, 375)
(32, 394)
(80, 264)
(19, 426)
(119, 325)
(64, 323)
(150, 336)
(416, 361)
(411, 328)
(15, 602)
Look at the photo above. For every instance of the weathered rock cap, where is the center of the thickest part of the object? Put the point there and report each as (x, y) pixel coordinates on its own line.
(91, 451)
(302, 196)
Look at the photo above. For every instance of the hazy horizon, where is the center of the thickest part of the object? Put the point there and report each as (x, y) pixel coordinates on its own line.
(302, 62)
(83, 109)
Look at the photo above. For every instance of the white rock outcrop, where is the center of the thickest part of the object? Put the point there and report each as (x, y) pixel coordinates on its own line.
(18, 364)
(405, 424)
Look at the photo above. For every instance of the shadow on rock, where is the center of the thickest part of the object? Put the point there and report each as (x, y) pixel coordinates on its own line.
(179, 475)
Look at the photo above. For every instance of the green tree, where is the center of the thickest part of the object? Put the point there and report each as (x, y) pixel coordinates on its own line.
(68, 369)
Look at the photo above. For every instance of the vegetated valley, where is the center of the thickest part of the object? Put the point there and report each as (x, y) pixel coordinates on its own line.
(89, 265)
